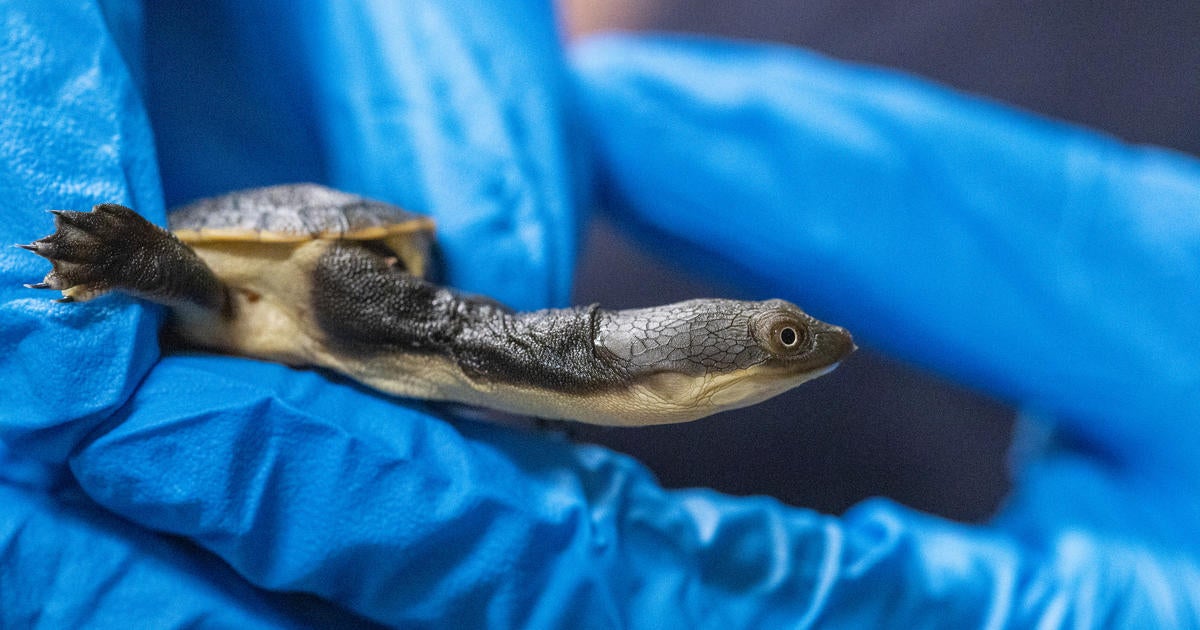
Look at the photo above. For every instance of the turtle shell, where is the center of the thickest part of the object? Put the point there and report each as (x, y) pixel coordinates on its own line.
(296, 213)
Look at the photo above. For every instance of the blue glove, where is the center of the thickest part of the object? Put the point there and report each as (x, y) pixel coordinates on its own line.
(428, 105)
(1046, 264)
(299, 483)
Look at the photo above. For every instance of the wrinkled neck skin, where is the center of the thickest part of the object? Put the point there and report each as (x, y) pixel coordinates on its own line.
(672, 363)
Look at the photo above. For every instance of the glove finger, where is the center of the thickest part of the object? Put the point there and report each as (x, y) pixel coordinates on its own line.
(453, 109)
(904, 569)
(66, 563)
(1050, 265)
(304, 486)
(74, 135)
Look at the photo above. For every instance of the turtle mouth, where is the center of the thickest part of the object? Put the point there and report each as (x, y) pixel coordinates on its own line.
(732, 389)
(831, 345)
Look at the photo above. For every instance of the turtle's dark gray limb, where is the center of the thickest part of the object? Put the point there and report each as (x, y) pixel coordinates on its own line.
(361, 301)
(112, 248)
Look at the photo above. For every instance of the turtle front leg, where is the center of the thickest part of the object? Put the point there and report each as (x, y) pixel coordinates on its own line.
(112, 248)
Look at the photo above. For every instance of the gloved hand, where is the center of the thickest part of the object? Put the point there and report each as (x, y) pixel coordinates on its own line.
(1049, 265)
(300, 484)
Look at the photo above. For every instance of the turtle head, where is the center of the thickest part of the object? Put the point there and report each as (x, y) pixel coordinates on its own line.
(692, 359)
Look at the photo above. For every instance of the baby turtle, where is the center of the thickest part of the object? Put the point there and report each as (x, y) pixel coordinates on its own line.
(306, 275)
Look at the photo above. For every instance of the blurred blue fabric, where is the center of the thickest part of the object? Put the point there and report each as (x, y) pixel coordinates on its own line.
(1035, 260)
(883, 204)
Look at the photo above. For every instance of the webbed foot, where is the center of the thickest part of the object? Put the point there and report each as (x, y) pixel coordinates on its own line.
(92, 252)
(114, 248)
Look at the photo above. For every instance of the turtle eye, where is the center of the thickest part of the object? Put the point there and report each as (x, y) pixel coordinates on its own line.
(782, 334)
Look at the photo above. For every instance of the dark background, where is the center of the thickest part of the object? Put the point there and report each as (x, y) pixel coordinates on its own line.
(876, 426)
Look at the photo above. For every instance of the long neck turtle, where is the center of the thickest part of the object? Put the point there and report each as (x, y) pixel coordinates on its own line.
(306, 275)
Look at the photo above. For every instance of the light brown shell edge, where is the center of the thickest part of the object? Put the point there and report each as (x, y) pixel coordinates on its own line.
(420, 224)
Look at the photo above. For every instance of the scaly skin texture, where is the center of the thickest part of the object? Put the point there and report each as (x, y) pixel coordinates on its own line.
(351, 306)
(366, 306)
(362, 301)
(147, 262)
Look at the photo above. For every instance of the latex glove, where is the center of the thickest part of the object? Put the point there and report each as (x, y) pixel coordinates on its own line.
(300, 483)
(429, 105)
(1044, 263)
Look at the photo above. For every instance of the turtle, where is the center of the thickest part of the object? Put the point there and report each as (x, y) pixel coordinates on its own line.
(306, 275)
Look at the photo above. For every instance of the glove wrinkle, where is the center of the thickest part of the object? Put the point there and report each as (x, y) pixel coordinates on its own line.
(232, 493)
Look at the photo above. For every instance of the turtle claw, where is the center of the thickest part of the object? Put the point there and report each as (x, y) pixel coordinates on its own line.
(86, 221)
(108, 248)
(89, 252)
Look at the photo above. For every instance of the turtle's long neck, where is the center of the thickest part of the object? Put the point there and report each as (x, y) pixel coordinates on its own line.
(672, 363)
(368, 306)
